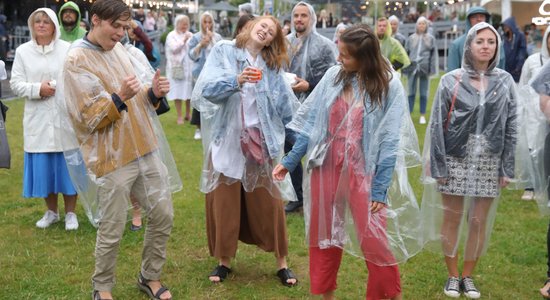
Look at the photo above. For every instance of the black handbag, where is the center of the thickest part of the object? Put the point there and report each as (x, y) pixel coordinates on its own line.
(164, 107)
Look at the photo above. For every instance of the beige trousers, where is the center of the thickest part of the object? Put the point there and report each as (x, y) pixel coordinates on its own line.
(146, 179)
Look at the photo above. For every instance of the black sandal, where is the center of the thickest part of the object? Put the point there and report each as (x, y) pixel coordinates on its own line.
(221, 271)
(143, 285)
(285, 274)
(96, 296)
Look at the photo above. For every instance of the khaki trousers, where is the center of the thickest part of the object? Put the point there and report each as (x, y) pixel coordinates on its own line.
(254, 218)
(146, 179)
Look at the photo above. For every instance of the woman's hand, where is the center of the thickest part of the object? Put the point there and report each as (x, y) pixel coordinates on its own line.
(503, 181)
(279, 172)
(301, 85)
(249, 74)
(376, 206)
(441, 180)
(46, 90)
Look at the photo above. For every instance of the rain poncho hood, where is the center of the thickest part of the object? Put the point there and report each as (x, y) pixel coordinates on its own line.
(77, 32)
(218, 97)
(311, 54)
(421, 48)
(369, 148)
(470, 143)
(392, 48)
(397, 35)
(111, 136)
(457, 46)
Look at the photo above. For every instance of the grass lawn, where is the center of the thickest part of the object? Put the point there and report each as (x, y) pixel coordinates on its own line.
(55, 264)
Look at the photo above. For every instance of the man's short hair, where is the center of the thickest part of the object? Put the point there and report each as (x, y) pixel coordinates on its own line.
(111, 10)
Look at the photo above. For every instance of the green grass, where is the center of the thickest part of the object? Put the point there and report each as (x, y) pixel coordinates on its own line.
(55, 264)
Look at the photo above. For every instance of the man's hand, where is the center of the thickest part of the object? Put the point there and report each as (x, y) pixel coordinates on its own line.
(301, 85)
(130, 87)
(161, 85)
(46, 90)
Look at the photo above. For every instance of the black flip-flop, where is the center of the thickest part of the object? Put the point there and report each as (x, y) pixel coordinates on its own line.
(285, 274)
(144, 287)
(220, 271)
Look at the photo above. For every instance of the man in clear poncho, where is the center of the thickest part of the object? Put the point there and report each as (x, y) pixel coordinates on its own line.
(391, 48)
(468, 156)
(311, 54)
(122, 148)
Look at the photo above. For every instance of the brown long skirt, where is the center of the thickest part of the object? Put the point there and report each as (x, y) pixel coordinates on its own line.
(254, 218)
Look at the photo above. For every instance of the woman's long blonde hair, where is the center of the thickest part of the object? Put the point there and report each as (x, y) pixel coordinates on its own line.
(274, 55)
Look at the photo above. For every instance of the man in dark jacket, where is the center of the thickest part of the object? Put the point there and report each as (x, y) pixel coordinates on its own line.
(515, 47)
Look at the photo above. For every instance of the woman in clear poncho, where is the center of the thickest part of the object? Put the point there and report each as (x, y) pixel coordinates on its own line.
(422, 50)
(468, 155)
(245, 104)
(349, 204)
(200, 46)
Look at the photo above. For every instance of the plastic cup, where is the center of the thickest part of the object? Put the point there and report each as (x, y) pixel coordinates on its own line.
(257, 74)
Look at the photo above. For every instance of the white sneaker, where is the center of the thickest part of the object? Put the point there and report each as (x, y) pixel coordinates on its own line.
(528, 195)
(48, 219)
(197, 135)
(71, 222)
(452, 287)
(422, 120)
(469, 289)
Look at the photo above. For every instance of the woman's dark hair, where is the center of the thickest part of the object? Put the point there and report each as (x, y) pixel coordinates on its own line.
(243, 20)
(111, 10)
(275, 54)
(374, 72)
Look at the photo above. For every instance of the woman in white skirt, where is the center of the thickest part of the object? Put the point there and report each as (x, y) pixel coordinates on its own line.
(178, 66)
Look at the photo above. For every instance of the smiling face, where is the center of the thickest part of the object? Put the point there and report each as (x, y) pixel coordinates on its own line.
(484, 46)
(107, 33)
(43, 27)
(263, 32)
(349, 63)
(301, 18)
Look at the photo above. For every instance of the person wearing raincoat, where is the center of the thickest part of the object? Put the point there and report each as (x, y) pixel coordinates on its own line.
(469, 154)
(515, 47)
(422, 50)
(69, 16)
(37, 64)
(311, 54)
(394, 23)
(122, 149)
(200, 46)
(245, 104)
(474, 15)
(534, 126)
(391, 48)
(540, 151)
(354, 133)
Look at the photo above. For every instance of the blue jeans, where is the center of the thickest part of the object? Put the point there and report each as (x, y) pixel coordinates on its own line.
(424, 82)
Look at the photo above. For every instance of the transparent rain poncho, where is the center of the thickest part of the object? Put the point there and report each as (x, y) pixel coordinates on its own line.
(471, 145)
(539, 152)
(312, 54)
(369, 148)
(218, 97)
(422, 50)
(108, 140)
(533, 129)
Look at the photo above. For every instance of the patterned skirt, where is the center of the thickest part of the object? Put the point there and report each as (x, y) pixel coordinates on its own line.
(476, 174)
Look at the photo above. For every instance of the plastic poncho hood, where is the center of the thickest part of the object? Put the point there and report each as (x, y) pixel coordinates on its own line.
(467, 58)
